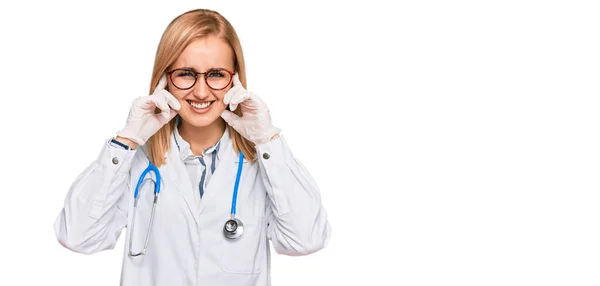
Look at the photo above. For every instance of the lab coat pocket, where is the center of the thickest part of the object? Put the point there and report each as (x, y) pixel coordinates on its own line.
(245, 255)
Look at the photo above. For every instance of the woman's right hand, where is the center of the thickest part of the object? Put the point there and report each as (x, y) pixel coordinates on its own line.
(142, 121)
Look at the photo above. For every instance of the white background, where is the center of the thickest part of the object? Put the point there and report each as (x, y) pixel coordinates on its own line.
(455, 142)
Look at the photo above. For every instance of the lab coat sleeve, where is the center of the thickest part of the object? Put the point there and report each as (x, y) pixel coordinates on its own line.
(296, 219)
(95, 208)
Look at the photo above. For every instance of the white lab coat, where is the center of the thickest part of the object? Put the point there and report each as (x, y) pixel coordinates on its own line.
(278, 202)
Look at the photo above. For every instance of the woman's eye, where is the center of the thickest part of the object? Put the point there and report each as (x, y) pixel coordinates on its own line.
(216, 74)
(185, 74)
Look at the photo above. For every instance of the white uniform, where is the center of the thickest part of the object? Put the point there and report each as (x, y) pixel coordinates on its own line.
(278, 202)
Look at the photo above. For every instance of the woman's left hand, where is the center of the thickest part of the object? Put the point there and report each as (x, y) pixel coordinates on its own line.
(255, 123)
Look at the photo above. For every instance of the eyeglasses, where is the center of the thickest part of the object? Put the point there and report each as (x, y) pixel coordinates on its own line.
(185, 78)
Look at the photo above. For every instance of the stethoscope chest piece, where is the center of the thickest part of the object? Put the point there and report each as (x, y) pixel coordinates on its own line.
(233, 228)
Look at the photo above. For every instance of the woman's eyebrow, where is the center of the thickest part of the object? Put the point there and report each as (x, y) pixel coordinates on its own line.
(193, 69)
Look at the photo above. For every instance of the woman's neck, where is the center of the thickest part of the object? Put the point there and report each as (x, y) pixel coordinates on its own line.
(201, 138)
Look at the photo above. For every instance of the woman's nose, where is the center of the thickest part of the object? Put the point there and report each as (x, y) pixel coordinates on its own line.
(201, 89)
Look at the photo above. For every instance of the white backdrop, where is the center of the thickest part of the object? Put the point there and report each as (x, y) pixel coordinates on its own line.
(455, 142)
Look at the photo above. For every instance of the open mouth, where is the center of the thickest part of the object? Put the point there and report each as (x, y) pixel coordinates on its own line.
(200, 105)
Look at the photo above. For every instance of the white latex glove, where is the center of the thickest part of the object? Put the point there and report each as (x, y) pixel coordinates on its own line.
(255, 123)
(142, 123)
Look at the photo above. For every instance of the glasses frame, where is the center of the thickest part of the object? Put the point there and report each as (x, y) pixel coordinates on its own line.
(205, 74)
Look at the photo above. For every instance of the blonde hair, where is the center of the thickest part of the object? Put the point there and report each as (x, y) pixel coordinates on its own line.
(184, 29)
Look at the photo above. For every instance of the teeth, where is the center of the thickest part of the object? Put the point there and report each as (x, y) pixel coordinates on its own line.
(200, 105)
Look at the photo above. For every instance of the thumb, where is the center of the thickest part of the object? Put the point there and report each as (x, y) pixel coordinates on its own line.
(230, 117)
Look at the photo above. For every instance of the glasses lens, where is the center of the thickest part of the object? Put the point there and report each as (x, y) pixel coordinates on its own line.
(183, 79)
(218, 79)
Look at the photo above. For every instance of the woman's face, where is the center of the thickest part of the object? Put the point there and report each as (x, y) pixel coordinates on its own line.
(201, 105)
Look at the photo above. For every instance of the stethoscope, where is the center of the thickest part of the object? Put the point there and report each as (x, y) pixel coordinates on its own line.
(232, 229)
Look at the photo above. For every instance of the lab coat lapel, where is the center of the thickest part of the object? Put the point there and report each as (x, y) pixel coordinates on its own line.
(178, 177)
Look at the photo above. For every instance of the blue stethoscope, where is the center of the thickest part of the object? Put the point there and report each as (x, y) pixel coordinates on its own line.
(232, 229)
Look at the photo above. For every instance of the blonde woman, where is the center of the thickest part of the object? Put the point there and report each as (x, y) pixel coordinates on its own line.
(199, 177)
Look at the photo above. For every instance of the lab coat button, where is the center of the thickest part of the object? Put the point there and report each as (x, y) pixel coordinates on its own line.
(266, 156)
(115, 160)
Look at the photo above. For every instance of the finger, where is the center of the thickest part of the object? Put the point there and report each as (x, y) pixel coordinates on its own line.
(160, 102)
(240, 97)
(237, 86)
(230, 117)
(233, 103)
(162, 83)
(171, 100)
(165, 111)
(165, 116)
(236, 80)
(228, 95)
(146, 102)
(231, 93)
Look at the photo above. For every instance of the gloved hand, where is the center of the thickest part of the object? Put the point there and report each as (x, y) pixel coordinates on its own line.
(255, 123)
(142, 121)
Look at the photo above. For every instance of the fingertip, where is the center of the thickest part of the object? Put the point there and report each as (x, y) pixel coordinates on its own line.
(228, 116)
(175, 103)
(162, 83)
(225, 114)
(236, 80)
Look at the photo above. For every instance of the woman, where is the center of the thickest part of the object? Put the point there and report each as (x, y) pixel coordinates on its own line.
(205, 134)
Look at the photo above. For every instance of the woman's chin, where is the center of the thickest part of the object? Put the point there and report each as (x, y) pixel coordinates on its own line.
(198, 120)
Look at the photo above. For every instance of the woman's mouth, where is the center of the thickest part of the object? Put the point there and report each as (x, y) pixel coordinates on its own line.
(200, 107)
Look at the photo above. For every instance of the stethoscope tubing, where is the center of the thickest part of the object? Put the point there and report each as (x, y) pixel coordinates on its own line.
(237, 183)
